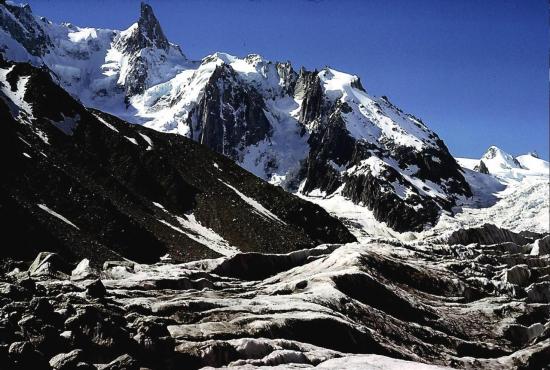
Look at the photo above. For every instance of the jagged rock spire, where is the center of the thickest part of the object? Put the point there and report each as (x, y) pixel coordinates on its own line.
(150, 30)
(482, 168)
(147, 33)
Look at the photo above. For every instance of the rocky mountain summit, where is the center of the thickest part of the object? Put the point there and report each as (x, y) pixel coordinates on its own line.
(312, 132)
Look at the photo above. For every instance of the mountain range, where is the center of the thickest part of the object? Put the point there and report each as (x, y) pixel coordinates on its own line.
(306, 131)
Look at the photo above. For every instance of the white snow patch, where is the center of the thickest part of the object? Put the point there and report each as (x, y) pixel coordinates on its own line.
(148, 140)
(53, 213)
(258, 208)
(206, 236)
(158, 205)
(202, 235)
(42, 136)
(106, 123)
(17, 96)
(131, 139)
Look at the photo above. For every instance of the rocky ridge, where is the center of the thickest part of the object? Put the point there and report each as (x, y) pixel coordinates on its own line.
(86, 184)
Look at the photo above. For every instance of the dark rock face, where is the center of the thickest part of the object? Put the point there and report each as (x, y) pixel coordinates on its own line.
(486, 234)
(482, 168)
(333, 150)
(147, 37)
(308, 87)
(24, 28)
(96, 180)
(376, 195)
(330, 142)
(229, 117)
(147, 34)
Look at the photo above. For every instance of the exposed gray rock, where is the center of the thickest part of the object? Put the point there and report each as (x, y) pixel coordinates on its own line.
(518, 275)
(84, 271)
(124, 362)
(66, 361)
(49, 264)
(541, 246)
(539, 292)
(482, 168)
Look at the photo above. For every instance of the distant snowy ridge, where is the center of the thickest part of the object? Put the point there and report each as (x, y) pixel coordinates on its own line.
(506, 167)
(516, 198)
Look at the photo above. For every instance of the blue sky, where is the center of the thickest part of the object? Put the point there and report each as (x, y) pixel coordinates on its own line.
(475, 71)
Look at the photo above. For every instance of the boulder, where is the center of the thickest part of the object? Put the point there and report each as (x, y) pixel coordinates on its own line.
(83, 271)
(128, 265)
(518, 275)
(520, 334)
(11, 291)
(124, 362)
(41, 307)
(19, 350)
(539, 292)
(66, 361)
(96, 289)
(28, 284)
(541, 246)
(50, 265)
(101, 333)
(153, 338)
(26, 357)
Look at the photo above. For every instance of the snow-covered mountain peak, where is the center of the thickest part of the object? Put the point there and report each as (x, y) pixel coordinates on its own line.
(495, 152)
(497, 160)
(534, 154)
(508, 169)
(375, 120)
(146, 33)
